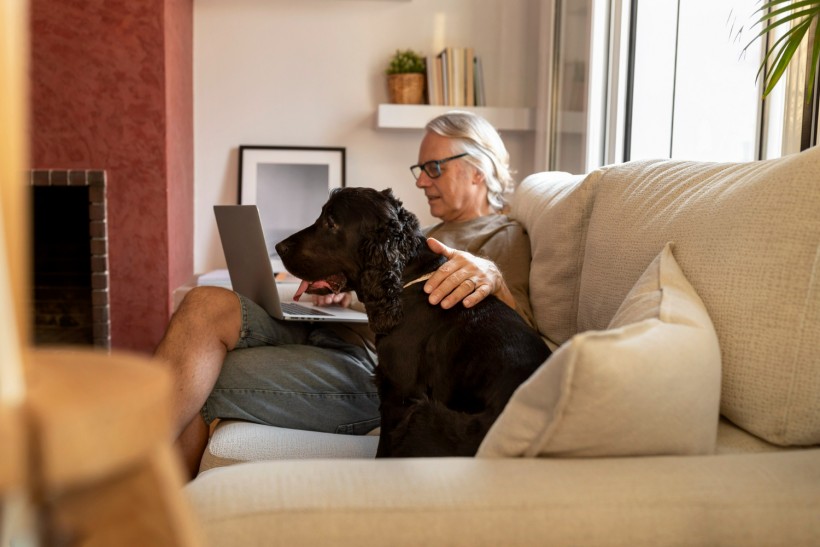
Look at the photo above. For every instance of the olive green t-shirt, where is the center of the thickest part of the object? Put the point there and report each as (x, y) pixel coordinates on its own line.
(495, 237)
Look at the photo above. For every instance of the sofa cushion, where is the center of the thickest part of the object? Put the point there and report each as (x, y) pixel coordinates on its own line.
(751, 500)
(649, 384)
(747, 235)
(554, 207)
(235, 441)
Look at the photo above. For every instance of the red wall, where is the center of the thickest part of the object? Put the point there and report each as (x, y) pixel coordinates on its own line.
(112, 89)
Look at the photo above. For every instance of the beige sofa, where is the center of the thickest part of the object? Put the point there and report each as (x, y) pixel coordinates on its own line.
(682, 406)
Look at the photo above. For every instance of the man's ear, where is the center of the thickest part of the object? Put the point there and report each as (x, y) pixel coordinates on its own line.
(478, 176)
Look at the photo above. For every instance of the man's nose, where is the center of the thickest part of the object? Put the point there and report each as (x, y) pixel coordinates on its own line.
(423, 181)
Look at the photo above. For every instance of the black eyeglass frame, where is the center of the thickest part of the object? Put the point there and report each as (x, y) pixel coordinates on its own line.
(437, 173)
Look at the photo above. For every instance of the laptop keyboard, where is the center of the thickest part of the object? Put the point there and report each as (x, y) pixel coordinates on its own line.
(296, 309)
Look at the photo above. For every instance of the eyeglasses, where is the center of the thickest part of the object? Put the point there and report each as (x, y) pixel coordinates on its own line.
(433, 167)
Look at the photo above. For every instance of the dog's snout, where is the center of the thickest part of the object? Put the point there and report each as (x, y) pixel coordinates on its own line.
(283, 247)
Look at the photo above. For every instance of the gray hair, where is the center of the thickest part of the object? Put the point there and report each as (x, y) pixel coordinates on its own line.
(486, 150)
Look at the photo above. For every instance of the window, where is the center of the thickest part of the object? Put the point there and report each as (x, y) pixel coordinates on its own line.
(694, 94)
(637, 79)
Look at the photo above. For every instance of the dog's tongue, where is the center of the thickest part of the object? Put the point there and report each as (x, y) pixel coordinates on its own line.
(310, 287)
(333, 283)
(303, 286)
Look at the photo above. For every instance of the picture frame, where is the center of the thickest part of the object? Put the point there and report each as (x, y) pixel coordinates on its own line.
(288, 184)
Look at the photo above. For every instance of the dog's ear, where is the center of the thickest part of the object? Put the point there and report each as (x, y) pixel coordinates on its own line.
(408, 226)
(406, 223)
(381, 287)
(385, 251)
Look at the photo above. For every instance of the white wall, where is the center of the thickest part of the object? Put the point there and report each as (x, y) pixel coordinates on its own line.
(311, 73)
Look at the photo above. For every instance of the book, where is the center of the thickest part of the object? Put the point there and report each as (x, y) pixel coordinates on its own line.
(434, 89)
(480, 96)
(445, 77)
(455, 78)
(469, 77)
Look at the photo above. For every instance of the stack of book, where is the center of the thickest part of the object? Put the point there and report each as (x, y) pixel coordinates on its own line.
(455, 78)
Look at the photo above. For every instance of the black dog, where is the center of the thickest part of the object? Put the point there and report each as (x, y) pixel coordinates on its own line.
(444, 376)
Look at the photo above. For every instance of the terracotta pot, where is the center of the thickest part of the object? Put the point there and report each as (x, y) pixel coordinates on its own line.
(406, 88)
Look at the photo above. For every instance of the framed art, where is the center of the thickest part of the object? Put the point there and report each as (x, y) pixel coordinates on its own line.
(288, 184)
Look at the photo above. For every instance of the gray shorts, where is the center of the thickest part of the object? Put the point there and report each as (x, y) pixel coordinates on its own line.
(295, 375)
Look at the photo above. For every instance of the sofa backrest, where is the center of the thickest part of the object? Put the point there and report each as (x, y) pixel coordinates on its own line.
(554, 207)
(747, 236)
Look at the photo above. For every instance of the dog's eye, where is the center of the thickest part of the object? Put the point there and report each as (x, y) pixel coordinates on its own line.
(330, 223)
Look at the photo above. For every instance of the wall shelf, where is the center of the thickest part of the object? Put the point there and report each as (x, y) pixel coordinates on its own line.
(416, 116)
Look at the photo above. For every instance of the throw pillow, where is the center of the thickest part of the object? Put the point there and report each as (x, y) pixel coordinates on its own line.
(649, 384)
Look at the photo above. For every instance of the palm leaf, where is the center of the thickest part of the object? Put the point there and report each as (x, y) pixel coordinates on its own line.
(799, 15)
(784, 57)
(775, 49)
(791, 7)
(815, 58)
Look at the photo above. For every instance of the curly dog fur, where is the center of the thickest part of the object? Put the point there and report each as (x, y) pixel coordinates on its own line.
(444, 375)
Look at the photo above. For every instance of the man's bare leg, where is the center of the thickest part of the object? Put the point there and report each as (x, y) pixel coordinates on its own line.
(191, 444)
(204, 328)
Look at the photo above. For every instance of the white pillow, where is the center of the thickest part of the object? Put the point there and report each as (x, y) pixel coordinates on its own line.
(649, 384)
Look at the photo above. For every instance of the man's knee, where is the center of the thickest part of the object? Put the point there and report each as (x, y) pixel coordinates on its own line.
(211, 307)
(209, 300)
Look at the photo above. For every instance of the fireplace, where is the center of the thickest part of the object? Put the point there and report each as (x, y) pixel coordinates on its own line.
(70, 240)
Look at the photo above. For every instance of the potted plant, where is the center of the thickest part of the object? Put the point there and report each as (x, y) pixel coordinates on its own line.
(405, 77)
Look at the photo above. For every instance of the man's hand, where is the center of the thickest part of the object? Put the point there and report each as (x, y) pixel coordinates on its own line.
(464, 278)
(342, 299)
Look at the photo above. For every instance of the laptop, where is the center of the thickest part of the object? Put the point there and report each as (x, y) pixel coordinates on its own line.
(251, 272)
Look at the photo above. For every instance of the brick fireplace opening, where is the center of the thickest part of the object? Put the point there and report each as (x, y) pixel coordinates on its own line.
(71, 302)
